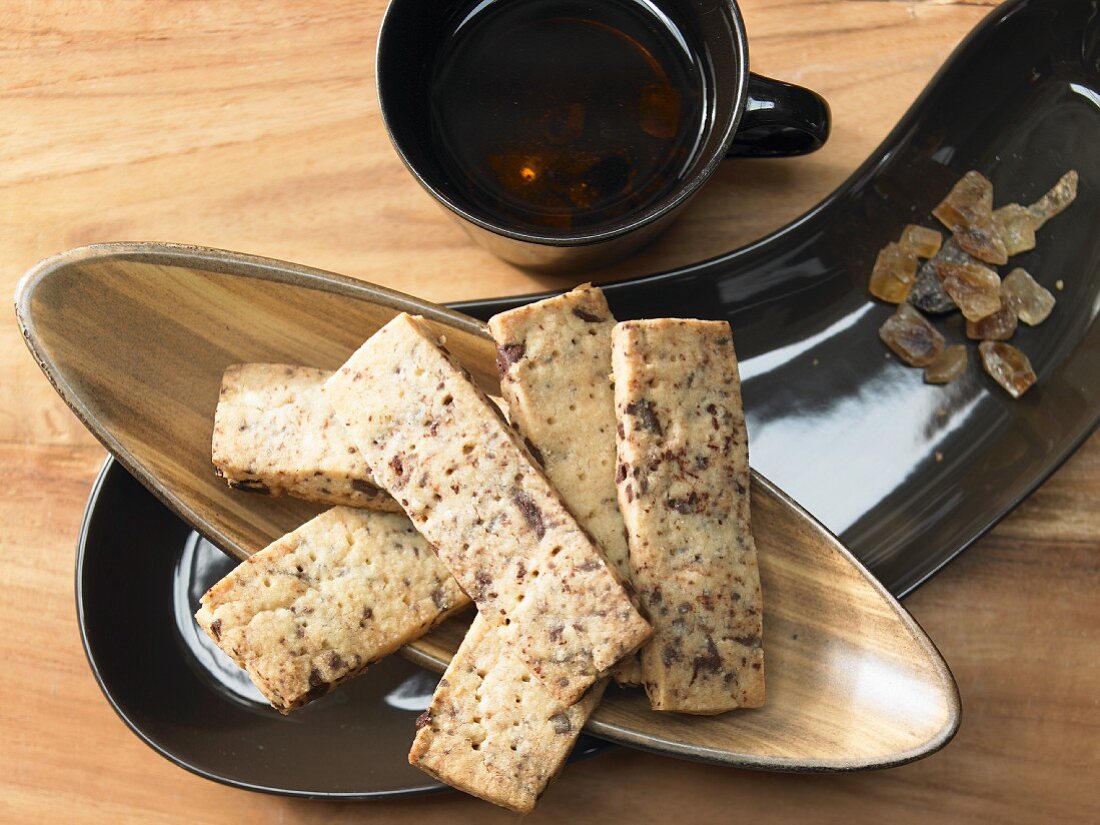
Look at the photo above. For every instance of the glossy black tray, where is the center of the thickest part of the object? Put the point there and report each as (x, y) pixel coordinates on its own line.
(906, 474)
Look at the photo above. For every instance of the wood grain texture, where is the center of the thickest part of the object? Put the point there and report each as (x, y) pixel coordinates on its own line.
(253, 126)
(170, 330)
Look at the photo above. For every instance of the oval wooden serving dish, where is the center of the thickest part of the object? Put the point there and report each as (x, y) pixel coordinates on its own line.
(135, 337)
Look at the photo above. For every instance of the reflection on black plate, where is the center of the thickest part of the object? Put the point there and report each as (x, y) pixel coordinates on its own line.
(853, 435)
(140, 573)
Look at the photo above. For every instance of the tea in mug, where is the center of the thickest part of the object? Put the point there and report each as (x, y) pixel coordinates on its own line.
(556, 116)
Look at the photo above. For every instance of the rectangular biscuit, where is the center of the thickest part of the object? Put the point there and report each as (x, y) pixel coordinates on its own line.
(441, 448)
(275, 433)
(683, 481)
(319, 605)
(493, 730)
(554, 358)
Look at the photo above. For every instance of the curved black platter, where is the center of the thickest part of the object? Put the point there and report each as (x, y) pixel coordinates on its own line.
(139, 575)
(853, 435)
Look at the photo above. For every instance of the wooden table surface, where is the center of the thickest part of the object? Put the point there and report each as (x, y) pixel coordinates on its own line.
(253, 126)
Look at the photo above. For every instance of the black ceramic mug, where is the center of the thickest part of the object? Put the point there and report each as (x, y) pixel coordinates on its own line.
(741, 115)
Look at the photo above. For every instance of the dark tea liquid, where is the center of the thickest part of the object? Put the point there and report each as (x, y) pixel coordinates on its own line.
(556, 116)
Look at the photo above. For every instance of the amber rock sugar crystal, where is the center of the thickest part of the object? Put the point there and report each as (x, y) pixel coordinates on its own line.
(949, 365)
(921, 241)
(1057, 199)
(969, 203)
(1007, 366)
(982, 242)
(1033, 301)
(1015, 227)
(975, 289)
(911, 337)
(894, 273)
(1000, 326)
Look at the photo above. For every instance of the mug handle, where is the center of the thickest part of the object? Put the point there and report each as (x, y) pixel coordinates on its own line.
(780, 120)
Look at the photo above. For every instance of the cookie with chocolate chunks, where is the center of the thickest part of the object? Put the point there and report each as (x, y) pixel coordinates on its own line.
(683, 483)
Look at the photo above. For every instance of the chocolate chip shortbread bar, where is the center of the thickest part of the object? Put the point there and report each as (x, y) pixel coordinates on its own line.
(555, 360)
(492, 729)
(319, 605)
(274, 433)
(683, 481)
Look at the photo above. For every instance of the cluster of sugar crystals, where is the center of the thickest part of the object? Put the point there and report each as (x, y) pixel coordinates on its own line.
(953, 277)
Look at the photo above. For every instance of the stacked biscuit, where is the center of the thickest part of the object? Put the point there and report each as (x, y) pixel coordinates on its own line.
(549, 526)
